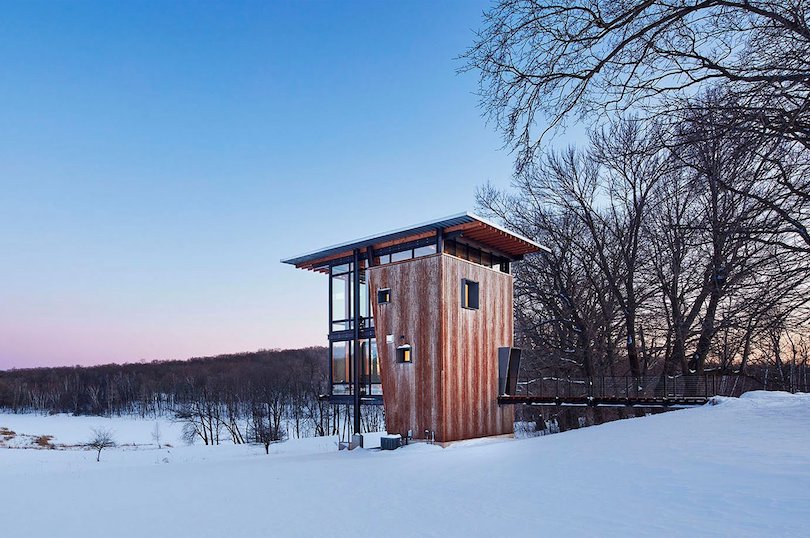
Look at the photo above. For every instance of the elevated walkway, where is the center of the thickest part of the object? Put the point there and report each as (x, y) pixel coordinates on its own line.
(628, 391)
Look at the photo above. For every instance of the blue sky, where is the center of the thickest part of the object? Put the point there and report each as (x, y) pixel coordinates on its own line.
(158, 159)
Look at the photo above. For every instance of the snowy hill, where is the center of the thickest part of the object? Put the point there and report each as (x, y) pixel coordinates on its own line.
(739, 468)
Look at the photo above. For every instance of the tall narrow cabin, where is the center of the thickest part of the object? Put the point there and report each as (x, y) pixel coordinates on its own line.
(417, 320)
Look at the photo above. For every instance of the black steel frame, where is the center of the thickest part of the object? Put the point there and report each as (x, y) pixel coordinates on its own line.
(359, 332)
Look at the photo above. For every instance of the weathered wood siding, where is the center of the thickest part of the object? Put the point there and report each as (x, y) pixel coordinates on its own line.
(470, 343)
(411, 392)
(450, 388)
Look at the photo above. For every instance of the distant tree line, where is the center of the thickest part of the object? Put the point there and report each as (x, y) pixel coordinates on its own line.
(247, 397)
(678, 229)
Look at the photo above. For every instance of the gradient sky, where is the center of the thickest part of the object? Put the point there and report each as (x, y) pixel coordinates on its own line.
(158, 159)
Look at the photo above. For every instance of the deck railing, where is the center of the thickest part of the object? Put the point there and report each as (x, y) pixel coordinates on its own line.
(650, 387)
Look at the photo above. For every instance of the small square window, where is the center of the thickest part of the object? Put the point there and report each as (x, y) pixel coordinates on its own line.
(405, 354)
(383, 295)
(469, 294)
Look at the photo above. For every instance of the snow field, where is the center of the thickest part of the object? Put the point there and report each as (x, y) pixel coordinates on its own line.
(737, 468)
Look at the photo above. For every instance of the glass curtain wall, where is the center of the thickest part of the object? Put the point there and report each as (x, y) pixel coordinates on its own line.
(341, 334)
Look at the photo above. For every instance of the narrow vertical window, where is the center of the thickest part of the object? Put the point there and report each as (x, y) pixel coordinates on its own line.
(469, 294)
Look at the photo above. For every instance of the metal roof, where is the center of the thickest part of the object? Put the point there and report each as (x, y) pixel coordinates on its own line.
(434, 225)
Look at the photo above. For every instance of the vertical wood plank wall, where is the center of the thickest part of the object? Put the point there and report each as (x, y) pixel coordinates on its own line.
(470, 351)
(411, 392)
(450, 388)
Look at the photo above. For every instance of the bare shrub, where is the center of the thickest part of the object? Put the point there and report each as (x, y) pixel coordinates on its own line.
(102, 438)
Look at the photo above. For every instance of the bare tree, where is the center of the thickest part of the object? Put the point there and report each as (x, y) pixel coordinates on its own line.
(605, 194)
(269, 395)
(102, 438)
(156, 434)
(653, 262)
(542, 59)
(562, 304)
(544, 62)
(697, 230)
(213, 397)
(264, 431)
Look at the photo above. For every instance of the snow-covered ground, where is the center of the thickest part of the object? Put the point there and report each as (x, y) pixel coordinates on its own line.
(739, 468)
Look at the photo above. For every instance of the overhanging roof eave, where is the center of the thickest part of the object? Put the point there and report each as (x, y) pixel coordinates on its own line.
(435, 225)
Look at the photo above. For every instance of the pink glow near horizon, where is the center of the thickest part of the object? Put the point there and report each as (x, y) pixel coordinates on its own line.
(86, 346)
(62, 329)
